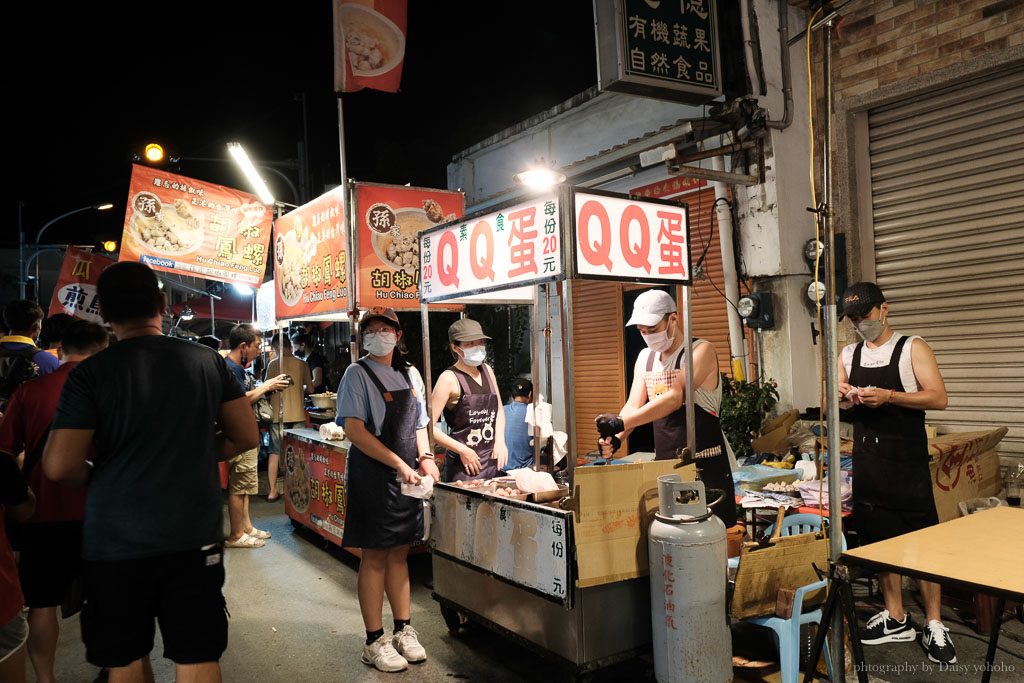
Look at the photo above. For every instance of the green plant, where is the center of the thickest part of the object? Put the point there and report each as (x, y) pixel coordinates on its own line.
(745, 405)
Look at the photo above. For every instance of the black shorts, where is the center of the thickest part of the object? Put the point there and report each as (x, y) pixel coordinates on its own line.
(50, 560)
(181, 591)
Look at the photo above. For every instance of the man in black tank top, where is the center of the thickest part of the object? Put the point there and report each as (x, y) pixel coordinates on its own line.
(892, 488)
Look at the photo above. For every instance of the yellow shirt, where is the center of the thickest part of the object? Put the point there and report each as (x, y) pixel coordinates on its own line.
(296, 368)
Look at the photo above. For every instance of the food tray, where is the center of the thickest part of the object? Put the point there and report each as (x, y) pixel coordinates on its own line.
(548, 496)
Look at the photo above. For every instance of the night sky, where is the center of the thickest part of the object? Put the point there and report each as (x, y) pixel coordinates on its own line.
(93, 82)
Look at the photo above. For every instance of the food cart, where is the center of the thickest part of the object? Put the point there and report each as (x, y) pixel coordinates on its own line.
(567, 577)
(319, 262)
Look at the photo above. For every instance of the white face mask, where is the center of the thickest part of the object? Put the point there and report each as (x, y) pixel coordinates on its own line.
(658, 341)
(379, 343)
(474, 355)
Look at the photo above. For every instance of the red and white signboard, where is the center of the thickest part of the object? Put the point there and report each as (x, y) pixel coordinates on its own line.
(516, 246)
(630, 239)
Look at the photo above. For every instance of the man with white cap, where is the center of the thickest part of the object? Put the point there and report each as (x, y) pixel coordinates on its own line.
(658, 395)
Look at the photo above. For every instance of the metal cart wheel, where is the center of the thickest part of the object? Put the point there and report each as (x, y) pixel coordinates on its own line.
(451, 619)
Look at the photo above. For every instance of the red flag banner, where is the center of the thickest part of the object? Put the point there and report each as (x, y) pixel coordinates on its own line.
(75, 292)
(369, 44)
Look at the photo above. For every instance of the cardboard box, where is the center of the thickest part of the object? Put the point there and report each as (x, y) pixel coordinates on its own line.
(964, 465)
(616, 507)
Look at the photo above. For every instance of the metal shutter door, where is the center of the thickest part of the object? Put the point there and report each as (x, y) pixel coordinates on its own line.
(947, 191)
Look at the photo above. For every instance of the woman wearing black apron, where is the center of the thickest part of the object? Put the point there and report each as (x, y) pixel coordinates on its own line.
(381, 403)
(658, 394)
(467, 393)
(891, 380)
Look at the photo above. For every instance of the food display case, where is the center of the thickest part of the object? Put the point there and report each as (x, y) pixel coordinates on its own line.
(567, 578)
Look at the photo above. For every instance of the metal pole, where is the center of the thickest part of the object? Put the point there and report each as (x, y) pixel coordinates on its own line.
(691, 435)
(535, 371)
(21, 254)
(213, 319)
(427, 376)
(829, 339)
(569, 375)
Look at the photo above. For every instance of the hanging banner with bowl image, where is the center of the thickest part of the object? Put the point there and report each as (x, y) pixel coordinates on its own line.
(191, 227)
(389, 218)
(310, 266)
(369, 44)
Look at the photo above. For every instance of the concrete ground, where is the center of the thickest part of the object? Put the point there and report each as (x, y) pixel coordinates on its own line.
(295, 618)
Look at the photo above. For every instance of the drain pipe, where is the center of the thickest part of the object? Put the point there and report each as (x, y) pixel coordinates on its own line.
(787, 77)
(737, 342)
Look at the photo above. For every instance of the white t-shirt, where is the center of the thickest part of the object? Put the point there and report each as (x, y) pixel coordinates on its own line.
(880, 356)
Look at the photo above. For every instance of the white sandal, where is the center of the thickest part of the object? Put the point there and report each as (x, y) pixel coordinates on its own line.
(245, 541)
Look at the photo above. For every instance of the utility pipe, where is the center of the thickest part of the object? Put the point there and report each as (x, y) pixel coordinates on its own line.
(787, 78)
(737, 346)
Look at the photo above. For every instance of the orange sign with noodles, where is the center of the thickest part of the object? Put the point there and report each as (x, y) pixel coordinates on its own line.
(192, 227)
(310, 268)
(389, 218)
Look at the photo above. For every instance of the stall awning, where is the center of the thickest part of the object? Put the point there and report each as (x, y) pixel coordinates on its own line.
(231, 306)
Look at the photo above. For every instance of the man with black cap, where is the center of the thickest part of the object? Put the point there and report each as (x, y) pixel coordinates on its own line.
(468, 394)
(890, 380)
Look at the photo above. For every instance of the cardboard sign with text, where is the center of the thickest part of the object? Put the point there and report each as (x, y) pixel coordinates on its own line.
(623, 238)
(513, 247)
(192, 227)
(310, 267)
(75, 293)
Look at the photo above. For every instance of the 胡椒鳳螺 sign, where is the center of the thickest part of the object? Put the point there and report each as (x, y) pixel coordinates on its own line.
(310, 258)
(621, 238)
(515, 246)
(192, 227)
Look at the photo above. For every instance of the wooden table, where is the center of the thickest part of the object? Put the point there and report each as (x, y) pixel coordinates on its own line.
(982, 552)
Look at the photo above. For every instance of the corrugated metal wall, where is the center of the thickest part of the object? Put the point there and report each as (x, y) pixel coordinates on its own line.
(947, 179)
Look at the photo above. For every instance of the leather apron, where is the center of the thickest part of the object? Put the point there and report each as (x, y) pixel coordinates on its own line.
(377, 515)
(712, 458)
(892, 487)
(473, 422)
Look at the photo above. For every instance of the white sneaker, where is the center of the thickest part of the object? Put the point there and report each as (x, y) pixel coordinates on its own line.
(407, 642)
(381, 655)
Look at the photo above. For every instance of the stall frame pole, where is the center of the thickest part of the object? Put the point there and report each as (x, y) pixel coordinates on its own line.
(428, 383)
(569, 376)
(535, 371)
(691, 434)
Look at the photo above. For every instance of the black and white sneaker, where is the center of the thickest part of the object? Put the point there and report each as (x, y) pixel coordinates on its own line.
(882, 628)
(935, 641)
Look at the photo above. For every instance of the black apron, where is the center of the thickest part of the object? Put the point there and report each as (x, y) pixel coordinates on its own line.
(712, 458)
(473, 421)
(892, 487)
(377, 515)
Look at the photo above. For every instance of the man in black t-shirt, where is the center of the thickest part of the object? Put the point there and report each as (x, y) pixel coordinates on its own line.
(152, 541)
(302, 347)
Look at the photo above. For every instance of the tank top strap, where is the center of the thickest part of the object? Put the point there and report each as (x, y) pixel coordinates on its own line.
(897, 351)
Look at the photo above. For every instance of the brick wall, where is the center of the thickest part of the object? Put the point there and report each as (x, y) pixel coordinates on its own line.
(884, 41)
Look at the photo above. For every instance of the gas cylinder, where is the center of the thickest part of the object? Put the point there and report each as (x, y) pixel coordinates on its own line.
(687, 551)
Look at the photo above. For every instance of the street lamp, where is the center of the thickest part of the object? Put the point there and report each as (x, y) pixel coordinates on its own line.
(23, 266)
(540, 176)
(251, 174)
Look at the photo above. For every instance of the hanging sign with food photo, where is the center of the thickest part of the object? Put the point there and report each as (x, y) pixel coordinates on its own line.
(192, 227)
(310, 259)
(389, 218)
(369, 44)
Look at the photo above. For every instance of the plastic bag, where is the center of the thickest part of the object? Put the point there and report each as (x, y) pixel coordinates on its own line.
(529, 481)
(972, 505)
(811, 490)
(425, 489)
